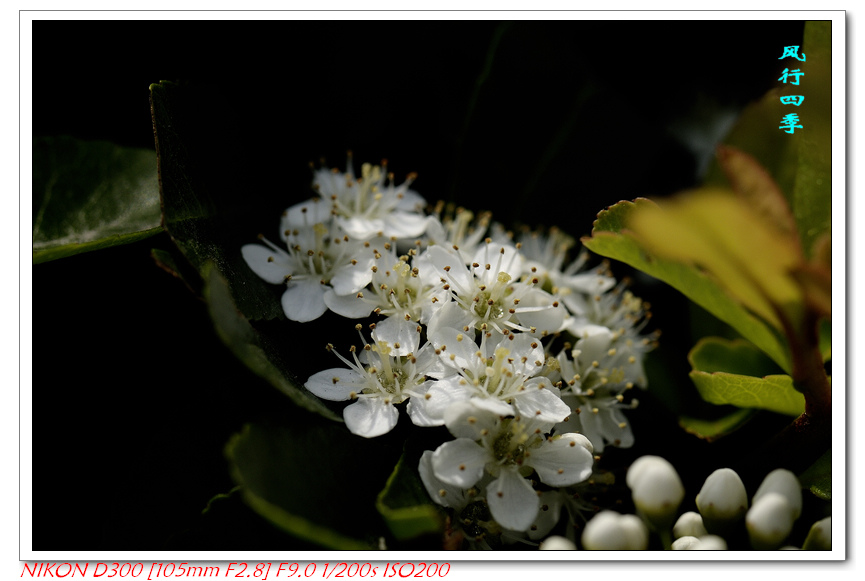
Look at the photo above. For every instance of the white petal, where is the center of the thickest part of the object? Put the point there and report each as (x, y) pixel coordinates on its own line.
(351, 278)
(536, 310)
(418, 410)
(541, 404)
(460, 462)
(411, 201)
(370, 417)
(587, 282)
(562, 461)
(443, 394)
(405, 225)
(442, 493)
(335, 384)
(361, 228)
(467, 420)
(594, 344)
(303, 301)
(268, 264)
(548, 515)
(512, 500)
(308, 213)
(348, 306)
(460, 278)
(396, 331)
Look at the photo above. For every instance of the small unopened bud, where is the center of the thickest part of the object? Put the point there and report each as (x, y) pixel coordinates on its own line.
(690, 524)
(703, 543)
(820, 536)
(722, 501)
(769, 521)
(784, 483)
(656, 489)
(611, 531)
(556, 543)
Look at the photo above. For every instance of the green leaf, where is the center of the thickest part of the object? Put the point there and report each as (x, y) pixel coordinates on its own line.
(773, 392)
(812, 193)
(737, 356)
(406, 506)
(610, 239)
(818, 477)
(711, 430)
(89, 195)
(315, 480)
(201, 219)
(254, 349)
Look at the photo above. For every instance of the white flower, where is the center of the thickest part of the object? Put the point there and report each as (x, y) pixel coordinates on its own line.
(397, 289)
(611, 531)
(457, 229)
(501, 375)
(624, 315)
(372, 205)
(509, 450)
(392, 370)
(545, 256)
(594, 378)
(490, 293)
(315, 268)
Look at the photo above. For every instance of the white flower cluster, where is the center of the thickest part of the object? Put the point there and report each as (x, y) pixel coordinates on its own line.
(524, 358)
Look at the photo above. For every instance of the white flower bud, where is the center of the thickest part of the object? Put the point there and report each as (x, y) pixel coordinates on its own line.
(611, 531)
(769, 521)
(685, 543)
(820, 536)
(690, 524)
(556, 543)
(703, 543)
(710, 543)
(722, 501)
(656, 489)
(784, 483)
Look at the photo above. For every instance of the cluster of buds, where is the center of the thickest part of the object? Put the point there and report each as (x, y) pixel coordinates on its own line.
(722, 503)
(527, 358)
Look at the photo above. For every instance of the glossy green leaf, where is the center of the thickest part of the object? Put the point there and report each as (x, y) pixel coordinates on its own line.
(818, 477)
(773, 392)
(609, 238)
(812, 193)
(89, 195)
(406, 506)
(254, 349)
(711, 430)
(315, 480)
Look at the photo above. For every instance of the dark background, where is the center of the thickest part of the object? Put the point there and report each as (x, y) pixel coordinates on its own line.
(542, 122)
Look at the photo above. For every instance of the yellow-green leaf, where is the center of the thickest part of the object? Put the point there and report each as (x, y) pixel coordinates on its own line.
(716, 231)
(711, 430)
(610, 239)
(773, 392)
